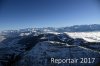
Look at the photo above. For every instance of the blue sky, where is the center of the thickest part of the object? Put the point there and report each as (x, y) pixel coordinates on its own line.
(16, 14)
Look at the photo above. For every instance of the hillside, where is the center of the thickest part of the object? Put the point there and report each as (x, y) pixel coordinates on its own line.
(38, 49)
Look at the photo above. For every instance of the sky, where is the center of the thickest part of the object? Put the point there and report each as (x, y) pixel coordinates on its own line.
(16, 14)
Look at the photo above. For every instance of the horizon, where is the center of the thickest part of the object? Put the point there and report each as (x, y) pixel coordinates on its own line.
(50, 27)
(20, 14)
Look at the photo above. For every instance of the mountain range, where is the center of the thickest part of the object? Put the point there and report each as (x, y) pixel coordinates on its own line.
(36, 46)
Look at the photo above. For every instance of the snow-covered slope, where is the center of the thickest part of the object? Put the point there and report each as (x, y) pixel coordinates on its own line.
(37, 50)
(41, 55)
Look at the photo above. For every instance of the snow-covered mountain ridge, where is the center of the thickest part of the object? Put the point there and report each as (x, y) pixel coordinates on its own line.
(37, 50)
(75, 28)
(37, 47)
